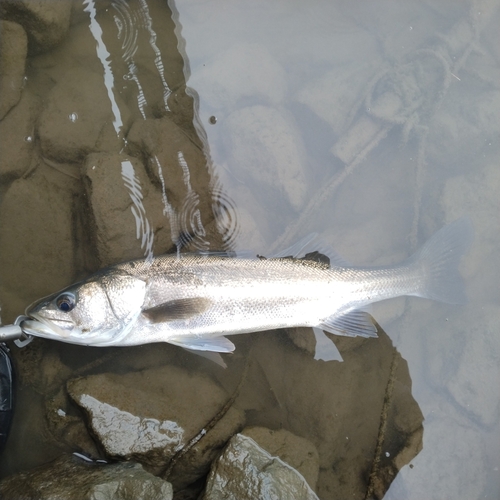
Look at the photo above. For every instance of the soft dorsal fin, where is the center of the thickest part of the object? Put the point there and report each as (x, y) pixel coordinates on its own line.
(177, 309)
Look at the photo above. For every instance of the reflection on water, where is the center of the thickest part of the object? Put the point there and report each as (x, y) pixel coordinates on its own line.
(369, 124)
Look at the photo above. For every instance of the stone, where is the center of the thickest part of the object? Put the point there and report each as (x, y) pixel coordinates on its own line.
(297, 452)
(151, 415)
(266, 151)
(247, 471)
(36, 239)
(80, 119)
(464, 125)
(13, 50)
(17, 137)
(46, 23)
(335, 96)
(71, 477)
(176, 161)
(333, 406)
(128, 218)
(245, 72)
(433, 475)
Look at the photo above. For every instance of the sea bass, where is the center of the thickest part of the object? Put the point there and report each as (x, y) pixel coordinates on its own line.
(195, 300)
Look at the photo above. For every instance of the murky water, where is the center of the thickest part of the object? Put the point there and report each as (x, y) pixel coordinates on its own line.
(153, 127)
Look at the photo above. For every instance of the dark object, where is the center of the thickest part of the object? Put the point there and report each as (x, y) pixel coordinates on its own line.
(6, 394)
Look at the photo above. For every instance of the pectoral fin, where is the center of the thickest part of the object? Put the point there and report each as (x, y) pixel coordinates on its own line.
(177, 309)
(352, 324)
(214, 344)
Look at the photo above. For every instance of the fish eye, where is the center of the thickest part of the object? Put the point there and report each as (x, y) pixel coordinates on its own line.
(66, 302)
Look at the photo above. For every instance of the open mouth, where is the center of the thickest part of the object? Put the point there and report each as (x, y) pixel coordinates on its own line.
(43, 327)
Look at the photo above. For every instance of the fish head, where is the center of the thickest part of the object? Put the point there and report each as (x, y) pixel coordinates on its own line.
(100, 311)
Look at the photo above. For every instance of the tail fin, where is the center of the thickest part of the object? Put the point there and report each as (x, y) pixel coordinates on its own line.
(438, 260)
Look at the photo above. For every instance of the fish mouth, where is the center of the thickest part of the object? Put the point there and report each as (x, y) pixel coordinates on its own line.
(49, 327)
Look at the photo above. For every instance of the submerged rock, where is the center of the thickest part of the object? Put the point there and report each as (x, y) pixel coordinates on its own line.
(45, 22)
(151, 415)
(332, 405)
(127, 210)
(247, 471)
(266, 151)
(70, 477)
(297, 452)
(80, 119)
(177, 162)
(36, 239)
(17, 137)
(13, 50)
(246, 71)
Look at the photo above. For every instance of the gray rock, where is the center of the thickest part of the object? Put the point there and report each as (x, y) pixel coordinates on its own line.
(70, 477)
(247, 471)
(36, 238)
(462, 477)
(13, 50)
(128, 220)
(45, 22)
(336, 96)
(246, 71)
(266, 151)
(297, 452)
(464, 126)
(151, 415)
(17, 137)
(78, 120)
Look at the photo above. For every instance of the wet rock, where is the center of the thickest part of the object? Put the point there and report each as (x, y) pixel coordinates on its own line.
(46, 23)
(460, 197)
(266, 151)
(80, 119)
(473, 384)
(297, 452)
(13, 50)
(462, 477)
(243, 73)
(17, 137)
(36, 239)
(332, 405)
(247, 471)
(453, 362)
(464, 126)
(336, 96)
(176, 161)
(303, 338)
(150, 416)
(128, 220)
(71, 477)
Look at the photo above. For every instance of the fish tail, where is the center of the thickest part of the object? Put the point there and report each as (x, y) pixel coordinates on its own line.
(436, 263)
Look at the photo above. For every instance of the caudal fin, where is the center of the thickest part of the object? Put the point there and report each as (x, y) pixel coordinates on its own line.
(438, 260)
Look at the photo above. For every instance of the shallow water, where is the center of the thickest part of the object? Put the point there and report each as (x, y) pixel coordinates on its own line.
(370, 124)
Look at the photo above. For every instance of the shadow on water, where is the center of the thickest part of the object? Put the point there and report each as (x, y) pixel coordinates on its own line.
(108, 161)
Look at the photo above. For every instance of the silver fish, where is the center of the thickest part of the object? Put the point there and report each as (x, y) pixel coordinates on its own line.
(196, 299)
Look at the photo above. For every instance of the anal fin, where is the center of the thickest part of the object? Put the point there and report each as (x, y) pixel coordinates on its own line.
(352, 324)
(213, 344)
(326, 350)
